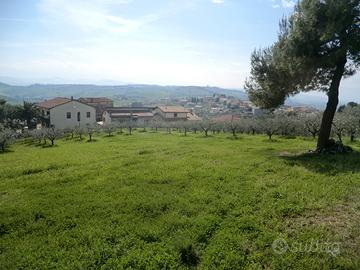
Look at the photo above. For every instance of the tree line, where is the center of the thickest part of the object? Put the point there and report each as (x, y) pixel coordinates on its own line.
(346, 123)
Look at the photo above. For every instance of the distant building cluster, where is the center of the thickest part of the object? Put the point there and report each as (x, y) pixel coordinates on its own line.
(69, 112)
(219, 105)
(65, 113)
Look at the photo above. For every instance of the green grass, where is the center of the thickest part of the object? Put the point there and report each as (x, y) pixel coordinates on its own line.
(165, 201)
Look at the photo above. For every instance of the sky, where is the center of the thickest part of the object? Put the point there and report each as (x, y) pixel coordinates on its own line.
(167, 42)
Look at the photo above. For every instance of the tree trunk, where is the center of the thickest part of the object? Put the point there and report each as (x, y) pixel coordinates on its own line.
(52, 142)
(333, 100)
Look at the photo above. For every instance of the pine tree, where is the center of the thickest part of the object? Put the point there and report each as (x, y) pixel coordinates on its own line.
(317, 46)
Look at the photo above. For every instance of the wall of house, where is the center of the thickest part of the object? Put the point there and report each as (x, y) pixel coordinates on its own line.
(106, 118)
(59, 120)
(168, 115)
(172, 115)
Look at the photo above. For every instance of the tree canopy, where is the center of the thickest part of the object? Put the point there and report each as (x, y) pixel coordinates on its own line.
(317, 46)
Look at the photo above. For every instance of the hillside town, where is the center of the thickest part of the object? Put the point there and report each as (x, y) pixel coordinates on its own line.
(220, 104)
(64, 112)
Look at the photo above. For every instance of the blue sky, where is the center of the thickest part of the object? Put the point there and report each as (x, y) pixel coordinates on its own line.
(184, 42)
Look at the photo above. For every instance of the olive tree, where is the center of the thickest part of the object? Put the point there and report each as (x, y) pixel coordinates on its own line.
(6, 138)
(109, 129)
(206, 125)
(269, 125)
(253, 125)
(36, 135)
(312, 124)
(91, 130)
(286, 124)
(80, 131)
(130, 124)
(70, 131)
(169, 125)
(233, 125)
(352, 119)
(52, 134)
(339, 125)
(155, 124)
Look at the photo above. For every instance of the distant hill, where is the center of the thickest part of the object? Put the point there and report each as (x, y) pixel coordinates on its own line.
(132, 92)
(141, 92)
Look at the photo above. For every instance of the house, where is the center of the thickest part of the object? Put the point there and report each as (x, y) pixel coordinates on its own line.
(174, 113)
(147, 114)
(124, 114)
(66, 113)
(100, 104)
(170, 113)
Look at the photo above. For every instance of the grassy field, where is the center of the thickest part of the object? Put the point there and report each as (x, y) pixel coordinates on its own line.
(165, 201)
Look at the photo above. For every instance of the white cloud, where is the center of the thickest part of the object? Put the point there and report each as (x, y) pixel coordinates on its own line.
(92, 15)
(283, 3)
(218, 1)
(288, 3)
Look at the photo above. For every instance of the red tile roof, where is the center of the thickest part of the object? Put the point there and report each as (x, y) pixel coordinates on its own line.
(51, 103)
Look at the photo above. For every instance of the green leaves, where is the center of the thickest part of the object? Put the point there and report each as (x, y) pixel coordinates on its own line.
(311, 43)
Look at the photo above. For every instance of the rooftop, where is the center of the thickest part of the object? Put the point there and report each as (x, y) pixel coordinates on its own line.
(51, 103)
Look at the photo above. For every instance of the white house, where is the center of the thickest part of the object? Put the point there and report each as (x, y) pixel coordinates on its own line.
(172, 112)
(67, 113)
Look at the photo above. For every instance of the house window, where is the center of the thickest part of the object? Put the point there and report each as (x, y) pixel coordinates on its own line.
(88, 114)
(78, 116)
(68, 115)
(47, 113)
(175, 115)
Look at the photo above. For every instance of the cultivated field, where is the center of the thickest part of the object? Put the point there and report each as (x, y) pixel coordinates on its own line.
(165, 201)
